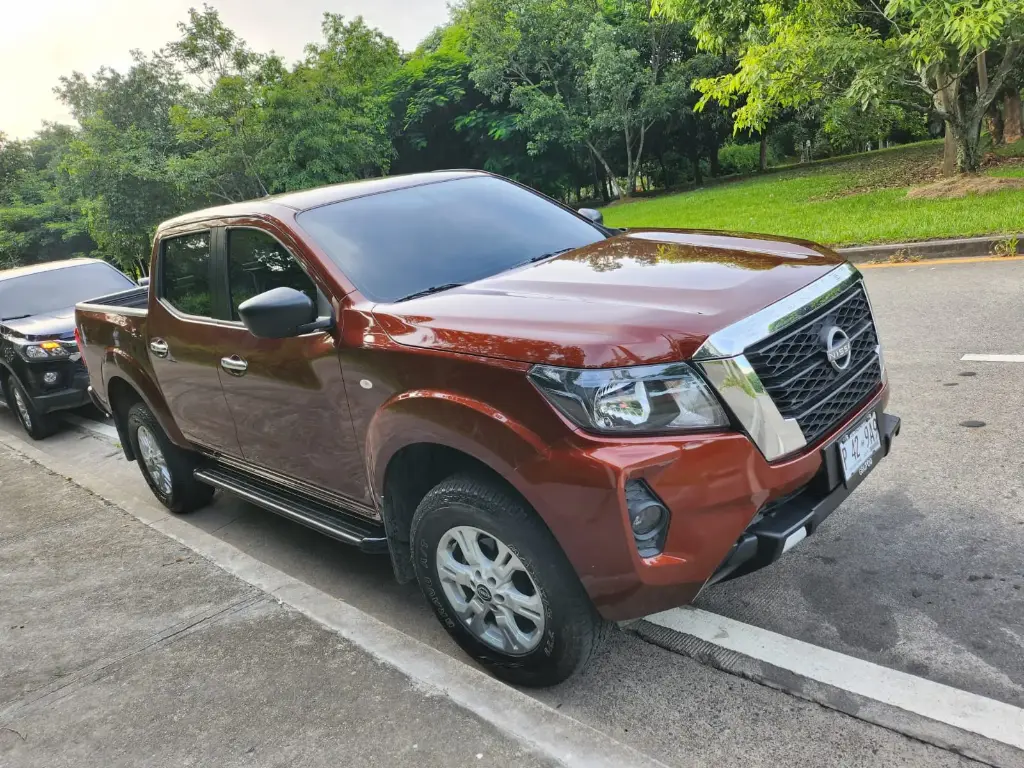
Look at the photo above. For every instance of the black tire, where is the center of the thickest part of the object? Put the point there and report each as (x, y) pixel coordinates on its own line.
(38, 425)
(572, 631)
(186, 494)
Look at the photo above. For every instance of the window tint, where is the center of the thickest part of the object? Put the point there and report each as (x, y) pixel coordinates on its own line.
(401, 242)
(186, 274)
(56, 289)
(258, 263)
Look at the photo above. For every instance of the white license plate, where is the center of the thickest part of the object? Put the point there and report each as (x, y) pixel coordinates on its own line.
(858, 446)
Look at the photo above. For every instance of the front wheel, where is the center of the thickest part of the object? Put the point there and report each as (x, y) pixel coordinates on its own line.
(37, 425)
(501, 585)
(166, 468)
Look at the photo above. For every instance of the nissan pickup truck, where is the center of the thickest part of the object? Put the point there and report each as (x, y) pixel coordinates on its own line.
(41, 372)
(551, 425)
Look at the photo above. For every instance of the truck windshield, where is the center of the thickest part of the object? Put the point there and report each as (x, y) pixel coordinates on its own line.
(398, 244)
(57, 289)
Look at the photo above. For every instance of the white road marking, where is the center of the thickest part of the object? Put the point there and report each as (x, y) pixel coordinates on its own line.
(968, 711)
(994, 358)
(98, 428)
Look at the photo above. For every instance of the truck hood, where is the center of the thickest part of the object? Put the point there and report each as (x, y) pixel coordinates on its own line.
(58, 324)
(645, 296)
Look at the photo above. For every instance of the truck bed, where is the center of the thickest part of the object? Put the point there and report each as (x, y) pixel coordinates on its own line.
(112, 335)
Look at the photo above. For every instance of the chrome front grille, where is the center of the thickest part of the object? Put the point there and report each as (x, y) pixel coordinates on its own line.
(797, 375)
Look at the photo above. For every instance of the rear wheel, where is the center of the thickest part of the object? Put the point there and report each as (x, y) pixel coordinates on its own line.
(166, 468)
(501, 585)
(37, 425)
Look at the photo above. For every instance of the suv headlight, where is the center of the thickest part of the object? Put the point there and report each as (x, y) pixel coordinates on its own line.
(44, 350)
(649, 398)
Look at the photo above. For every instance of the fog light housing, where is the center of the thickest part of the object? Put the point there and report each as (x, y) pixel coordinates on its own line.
(50, 378)
(648, 518)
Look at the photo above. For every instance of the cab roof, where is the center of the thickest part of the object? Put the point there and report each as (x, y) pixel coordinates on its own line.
(314, 198)
(47, 266)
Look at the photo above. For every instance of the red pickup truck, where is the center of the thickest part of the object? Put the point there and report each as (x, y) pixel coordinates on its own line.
(548, 423)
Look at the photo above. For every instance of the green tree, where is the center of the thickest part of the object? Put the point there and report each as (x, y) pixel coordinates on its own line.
(328, 119)
(221, 125)
(793, 53)
(116, 166)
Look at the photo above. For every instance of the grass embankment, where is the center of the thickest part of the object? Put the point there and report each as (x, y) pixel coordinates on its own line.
(858, 200)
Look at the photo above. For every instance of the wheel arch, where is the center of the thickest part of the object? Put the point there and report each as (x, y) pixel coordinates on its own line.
(417, 442)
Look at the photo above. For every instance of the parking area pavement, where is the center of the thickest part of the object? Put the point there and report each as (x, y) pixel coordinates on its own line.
(122, 647)
(920, 571)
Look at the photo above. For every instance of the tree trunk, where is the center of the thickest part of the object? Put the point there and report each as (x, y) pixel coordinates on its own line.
(1013, 122)
(599, 187)
(763, 160)
(996, 126)
(968, 145)
(949, 153)
(616, 189)
(698, 172)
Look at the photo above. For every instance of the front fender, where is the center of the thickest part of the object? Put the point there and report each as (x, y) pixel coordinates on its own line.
(117, 364)
(458, 422)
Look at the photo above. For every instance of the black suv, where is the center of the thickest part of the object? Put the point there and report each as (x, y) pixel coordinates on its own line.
(41, 369)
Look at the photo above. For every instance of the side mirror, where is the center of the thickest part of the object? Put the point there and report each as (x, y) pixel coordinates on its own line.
(279, 314)
(593, 214)
(144, 282)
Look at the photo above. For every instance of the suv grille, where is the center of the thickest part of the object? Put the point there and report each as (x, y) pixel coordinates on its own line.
(796, 373)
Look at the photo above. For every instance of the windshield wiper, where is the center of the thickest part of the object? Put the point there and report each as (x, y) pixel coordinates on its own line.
(430, 290)
(543, 256)
(15, 317)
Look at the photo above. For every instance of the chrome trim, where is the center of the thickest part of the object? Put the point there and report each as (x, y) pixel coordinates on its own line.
(740, 388)
(234, 365)
(734, 340)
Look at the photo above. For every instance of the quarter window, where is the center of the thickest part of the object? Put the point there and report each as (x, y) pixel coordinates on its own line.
(186, 274)
(258, 263)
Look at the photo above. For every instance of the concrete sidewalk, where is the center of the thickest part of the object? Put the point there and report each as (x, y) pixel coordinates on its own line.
(120, 647)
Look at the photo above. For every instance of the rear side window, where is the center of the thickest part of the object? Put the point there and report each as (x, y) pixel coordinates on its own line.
(258, 263)
(185, 281)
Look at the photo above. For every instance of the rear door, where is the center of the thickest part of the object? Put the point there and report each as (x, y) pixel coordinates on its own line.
(287, 396)
(186, 340)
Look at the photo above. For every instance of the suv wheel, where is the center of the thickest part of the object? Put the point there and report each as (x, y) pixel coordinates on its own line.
(166, 468)
(37, 425)
(501, 585)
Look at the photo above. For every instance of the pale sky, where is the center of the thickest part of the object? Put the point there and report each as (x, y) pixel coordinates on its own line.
(40, 40)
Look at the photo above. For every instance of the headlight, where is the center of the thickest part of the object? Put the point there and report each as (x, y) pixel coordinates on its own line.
(43, 350)
(33, 352)
(650, 398)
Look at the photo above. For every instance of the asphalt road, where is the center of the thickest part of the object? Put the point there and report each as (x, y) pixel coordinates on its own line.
(920, 571)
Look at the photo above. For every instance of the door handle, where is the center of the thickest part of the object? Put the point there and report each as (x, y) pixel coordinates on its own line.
(234, 365)
(159, 347)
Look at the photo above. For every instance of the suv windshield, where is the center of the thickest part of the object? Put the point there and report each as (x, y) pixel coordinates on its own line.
(56, 289)
(397, 244)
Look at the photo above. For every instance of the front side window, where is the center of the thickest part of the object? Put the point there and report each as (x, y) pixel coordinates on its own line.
(186, 274)
(396, 244)
(258, 263)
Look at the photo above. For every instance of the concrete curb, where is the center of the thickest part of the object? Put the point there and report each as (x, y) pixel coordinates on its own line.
(541, 728)
(965, 247)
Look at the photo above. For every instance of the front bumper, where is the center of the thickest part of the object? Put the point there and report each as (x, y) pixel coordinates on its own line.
(714, 486)
(61, 400)
(764, 541)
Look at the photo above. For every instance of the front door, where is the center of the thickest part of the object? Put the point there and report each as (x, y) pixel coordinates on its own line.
(287, 396)
(184, 341)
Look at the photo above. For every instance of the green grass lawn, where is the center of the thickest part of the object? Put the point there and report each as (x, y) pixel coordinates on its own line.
(859, 200)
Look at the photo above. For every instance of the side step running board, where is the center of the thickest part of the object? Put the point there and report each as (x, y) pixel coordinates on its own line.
(338, 524)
